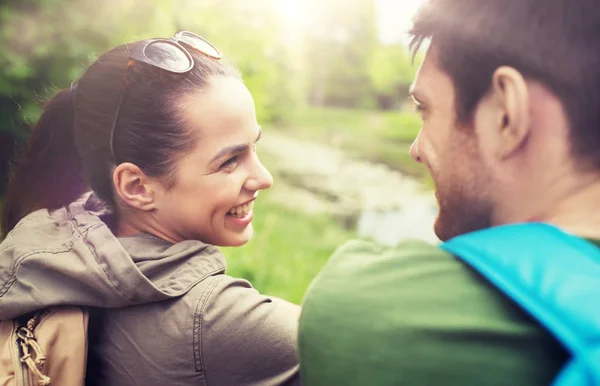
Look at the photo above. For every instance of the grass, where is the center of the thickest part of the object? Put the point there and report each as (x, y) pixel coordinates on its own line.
(287, 251)
(378, 136)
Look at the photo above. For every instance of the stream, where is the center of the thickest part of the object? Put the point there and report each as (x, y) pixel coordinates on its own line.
(374, 200)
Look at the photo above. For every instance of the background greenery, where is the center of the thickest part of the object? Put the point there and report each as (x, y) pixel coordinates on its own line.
(328, 79)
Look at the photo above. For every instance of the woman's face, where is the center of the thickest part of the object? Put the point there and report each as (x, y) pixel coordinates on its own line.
(218, 181)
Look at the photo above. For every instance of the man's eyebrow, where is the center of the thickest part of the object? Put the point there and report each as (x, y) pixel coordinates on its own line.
(415, 95)
(233, 149)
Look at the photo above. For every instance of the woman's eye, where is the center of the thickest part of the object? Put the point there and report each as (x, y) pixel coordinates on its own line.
(419, 108)
(230, 162)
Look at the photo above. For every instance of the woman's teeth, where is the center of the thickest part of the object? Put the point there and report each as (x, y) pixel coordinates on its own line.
(241, 210)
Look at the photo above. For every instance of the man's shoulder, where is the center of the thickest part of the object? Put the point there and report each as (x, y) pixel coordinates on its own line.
(401, 277)
(415, 313)
(412, 258)
(404, 248)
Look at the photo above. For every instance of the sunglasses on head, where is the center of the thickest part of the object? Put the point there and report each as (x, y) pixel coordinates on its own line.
(169, 54)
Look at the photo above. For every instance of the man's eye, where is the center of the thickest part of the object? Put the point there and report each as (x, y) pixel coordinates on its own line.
(419, 108)
(230, 162)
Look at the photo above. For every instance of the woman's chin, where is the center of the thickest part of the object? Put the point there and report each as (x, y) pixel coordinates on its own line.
(237, 239)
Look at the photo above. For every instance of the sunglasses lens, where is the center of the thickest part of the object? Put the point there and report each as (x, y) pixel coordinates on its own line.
(199, 44)
(167, 56)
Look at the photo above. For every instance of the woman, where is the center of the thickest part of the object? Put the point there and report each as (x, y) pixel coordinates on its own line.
(165, 135)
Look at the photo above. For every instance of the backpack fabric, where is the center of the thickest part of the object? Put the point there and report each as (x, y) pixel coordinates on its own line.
(553, 276)
(46, 348)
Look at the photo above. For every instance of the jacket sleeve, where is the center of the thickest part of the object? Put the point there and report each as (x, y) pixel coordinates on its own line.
(244, 338)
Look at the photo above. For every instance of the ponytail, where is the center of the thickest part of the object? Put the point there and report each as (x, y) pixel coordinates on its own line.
(49, 173)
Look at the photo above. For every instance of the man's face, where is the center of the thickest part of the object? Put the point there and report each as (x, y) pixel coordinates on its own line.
(451, 153)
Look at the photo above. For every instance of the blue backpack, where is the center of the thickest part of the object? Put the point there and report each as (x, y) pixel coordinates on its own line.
(553, 276)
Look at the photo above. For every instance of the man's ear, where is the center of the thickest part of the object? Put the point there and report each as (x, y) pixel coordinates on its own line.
(510, 94)
(133, 187)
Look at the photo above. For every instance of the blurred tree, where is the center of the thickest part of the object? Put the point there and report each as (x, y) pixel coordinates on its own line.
(250, 36)
(340, 41)
(45, 44)
(391, 71)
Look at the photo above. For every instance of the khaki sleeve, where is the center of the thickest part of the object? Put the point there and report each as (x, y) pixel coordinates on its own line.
(245, 338)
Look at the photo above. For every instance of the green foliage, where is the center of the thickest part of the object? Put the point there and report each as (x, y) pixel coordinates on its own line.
(391, 66)
(249, 34)
(339, 44)
(391, 71)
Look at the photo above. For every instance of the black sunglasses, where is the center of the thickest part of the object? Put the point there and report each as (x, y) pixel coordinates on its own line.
(167, 54)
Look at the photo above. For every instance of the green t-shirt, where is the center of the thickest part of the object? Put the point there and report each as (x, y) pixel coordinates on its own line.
(416, 315)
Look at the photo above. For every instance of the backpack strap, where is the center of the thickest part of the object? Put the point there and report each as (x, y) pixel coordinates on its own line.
(554, 276)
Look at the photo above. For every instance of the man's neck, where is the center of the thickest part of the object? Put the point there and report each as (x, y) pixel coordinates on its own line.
(578, 213)
(571, 205)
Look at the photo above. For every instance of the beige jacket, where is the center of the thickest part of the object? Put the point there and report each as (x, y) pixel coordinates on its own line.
(160, 313)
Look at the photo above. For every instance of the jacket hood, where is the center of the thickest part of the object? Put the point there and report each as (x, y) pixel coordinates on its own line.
(71, 257)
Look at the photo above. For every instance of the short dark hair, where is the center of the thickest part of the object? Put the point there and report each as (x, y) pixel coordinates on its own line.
(69, 148)
(554, 42)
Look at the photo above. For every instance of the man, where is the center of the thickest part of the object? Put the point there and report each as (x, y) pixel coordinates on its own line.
(509, 94)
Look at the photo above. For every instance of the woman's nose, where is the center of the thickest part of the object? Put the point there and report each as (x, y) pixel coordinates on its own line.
(260, 177)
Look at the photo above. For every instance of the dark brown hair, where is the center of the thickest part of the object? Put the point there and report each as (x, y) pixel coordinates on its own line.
(554, 42)
(69, 151)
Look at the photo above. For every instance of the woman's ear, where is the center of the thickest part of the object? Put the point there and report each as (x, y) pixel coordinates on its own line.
(133, 187)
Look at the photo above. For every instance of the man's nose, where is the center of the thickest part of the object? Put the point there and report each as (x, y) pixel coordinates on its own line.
(414, 149)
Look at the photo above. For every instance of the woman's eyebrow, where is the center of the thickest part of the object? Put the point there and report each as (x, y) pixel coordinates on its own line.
(233, 149)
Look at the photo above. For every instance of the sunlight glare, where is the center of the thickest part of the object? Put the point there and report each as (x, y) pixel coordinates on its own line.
(291, 9)
(394, 19)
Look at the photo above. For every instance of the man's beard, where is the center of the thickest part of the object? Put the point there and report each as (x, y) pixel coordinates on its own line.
(463, 205)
